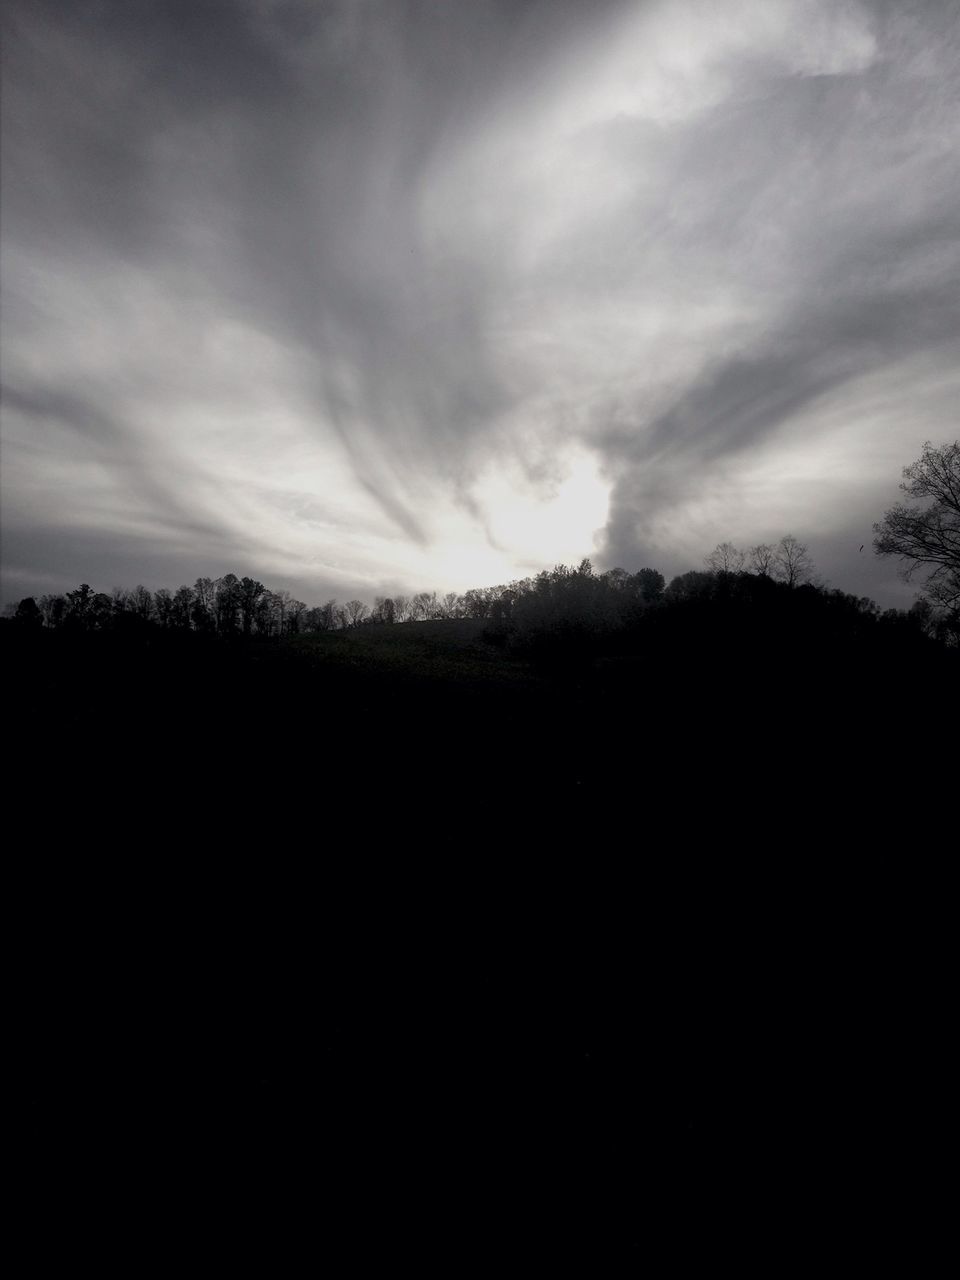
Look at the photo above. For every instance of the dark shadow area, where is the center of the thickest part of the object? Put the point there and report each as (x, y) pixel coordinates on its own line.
(517, 941)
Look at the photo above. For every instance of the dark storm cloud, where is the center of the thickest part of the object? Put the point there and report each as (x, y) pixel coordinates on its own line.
(270, 258)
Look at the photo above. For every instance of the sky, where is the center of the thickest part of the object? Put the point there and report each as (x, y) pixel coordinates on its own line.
(368, 296)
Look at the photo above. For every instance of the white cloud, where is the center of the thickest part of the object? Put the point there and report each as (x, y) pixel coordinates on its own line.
(432, 307)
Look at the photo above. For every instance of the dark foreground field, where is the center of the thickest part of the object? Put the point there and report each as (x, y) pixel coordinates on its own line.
(401, 946)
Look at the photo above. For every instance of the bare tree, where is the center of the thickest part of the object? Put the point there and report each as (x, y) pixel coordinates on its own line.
(321, 618)
(725, 558)
(53, 608)
(476, 602)
(762, 559)
(204, 596)
(425, 605)
(182, 605)
(163, 604)
(227, 603)
(356, 611)
(792, 561)
(502, 600)
(264, 615)
(928, 537)
(295, 611)
(141, 602)
(384, 609)
(401, 608)
(281, 603)
(205, 592)
(249, 593)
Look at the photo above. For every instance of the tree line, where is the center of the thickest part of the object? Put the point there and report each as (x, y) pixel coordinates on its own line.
(568, 600)
(565, 600)
(243, 606)
(224, 606)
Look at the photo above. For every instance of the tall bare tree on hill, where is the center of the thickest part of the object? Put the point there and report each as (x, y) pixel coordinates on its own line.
(927, 537)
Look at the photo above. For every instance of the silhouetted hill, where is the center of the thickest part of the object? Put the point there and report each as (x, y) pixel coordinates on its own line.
(618, 940)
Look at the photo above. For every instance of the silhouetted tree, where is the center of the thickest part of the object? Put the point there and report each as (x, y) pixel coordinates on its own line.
(295, 611)
(163, 606)
(356, 611)
(401, 608)
(650, 584)
(725, 558)
(181, 608)
(792, 561)
(102, 613)
(928, 537)
(476, 602)
(921, 615)
(384, 610)
(204, 596)
(281, 603)
(28, 614)
(227, 604)
(53, 608)
(249, 592)
(762, 559)
(424, 605)
(616, 579)
(693, 585)
(264, 614)
(78, 605)
(501, 600)
(314, 620)
(141, 603)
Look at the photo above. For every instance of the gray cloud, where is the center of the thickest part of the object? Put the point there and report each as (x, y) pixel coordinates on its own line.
(347, 293)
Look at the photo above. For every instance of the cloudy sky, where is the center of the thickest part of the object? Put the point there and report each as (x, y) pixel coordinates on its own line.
(369, 295)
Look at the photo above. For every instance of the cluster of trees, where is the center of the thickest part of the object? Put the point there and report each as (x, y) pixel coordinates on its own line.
(231, 606)
(561, 603)
(222, 606)
(566, 604)
(788, 561)
(564, 600)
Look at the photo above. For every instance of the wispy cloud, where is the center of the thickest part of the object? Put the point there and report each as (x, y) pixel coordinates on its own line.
(366, 294)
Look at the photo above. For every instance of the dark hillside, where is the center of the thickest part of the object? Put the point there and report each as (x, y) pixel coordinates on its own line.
(591, 937)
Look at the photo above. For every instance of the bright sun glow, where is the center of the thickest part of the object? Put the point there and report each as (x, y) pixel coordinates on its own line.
(547, 528)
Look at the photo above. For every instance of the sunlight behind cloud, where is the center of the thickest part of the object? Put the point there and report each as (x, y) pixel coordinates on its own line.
(560, 526)
(373, 297)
